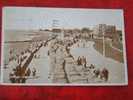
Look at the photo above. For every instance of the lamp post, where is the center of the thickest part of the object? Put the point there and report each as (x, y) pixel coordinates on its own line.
(103, 44)
(62, 34)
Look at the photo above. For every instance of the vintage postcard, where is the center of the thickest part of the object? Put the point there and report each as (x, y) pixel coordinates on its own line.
(63, 46)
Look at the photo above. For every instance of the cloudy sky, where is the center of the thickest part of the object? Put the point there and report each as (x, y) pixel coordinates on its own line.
(35, 18)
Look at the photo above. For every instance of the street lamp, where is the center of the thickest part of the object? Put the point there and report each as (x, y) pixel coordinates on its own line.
(103, 44)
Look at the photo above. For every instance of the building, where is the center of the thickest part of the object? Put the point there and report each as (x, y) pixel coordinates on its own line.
(110, 31)
(107, 30)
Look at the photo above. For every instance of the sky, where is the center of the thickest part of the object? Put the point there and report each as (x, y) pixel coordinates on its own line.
(26, 18)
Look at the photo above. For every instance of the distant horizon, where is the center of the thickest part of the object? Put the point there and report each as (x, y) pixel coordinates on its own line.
(91, 28)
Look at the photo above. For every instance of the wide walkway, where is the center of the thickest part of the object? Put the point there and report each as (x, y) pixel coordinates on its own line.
(116, 69)
(41, 64)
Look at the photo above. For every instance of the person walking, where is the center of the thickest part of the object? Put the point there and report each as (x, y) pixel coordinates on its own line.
(34, 72)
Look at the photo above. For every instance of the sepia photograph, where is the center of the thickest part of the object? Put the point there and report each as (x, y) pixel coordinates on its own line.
(63, 46)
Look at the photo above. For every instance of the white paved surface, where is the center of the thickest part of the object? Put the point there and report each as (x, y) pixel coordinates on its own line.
(42, 66)
(116, 69)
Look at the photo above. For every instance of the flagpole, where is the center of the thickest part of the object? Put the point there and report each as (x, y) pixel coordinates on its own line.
(103, 45)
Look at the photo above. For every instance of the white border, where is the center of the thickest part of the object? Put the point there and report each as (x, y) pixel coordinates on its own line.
(2, 45)
(65, 84)
(124, 48)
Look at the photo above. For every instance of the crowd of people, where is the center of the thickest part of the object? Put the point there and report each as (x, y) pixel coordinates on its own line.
(20, 71)
(102, 74)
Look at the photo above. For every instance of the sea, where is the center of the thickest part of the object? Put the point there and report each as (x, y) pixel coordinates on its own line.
(17, 40)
